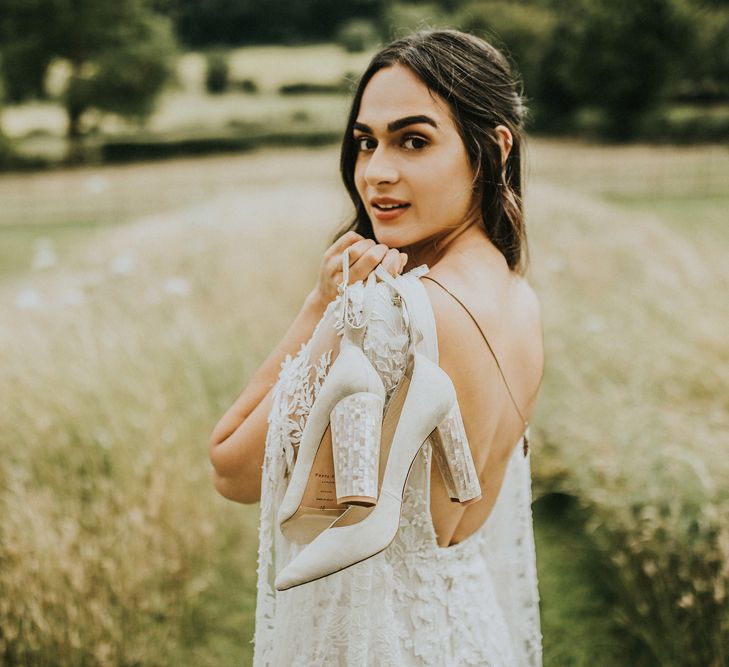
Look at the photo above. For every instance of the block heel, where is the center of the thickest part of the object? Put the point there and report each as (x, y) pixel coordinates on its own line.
(356, 426)
(452, 454)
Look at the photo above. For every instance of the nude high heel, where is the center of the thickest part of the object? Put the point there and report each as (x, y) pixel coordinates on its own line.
(349, 408)
(429, 408)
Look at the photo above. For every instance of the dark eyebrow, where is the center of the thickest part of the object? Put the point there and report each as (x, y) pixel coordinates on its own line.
(398, 124)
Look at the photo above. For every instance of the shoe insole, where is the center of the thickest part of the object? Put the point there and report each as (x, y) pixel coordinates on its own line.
(319, 505)
(321, 493)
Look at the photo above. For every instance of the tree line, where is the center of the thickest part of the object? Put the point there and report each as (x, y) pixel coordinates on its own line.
(619, 58)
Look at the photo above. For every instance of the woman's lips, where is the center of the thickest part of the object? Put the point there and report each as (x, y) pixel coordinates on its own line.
(388, 209)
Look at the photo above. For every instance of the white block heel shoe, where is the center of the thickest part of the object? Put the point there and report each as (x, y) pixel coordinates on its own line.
(452, 454)
(348, 408)
(423, 405)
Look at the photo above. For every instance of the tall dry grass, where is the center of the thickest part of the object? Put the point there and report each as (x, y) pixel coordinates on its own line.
(634, 418)
(115, 369)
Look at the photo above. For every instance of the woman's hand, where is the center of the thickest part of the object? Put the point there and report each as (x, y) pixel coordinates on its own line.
(364, 256)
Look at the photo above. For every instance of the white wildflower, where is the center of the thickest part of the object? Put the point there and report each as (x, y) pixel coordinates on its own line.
(123, 264)
(103, 438)
(74, 297)
(177, 286)
(28, 299)
(44, 256)
(594, 323)
(95, 185)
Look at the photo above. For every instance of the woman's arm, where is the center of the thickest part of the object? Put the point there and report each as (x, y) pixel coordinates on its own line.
(237, 443)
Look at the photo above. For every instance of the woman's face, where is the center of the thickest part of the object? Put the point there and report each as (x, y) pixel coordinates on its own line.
(412, 170)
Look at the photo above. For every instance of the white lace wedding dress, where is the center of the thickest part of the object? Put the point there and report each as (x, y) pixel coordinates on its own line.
(475, 603)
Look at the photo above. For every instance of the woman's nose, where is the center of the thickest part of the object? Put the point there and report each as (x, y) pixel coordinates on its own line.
(380, 168)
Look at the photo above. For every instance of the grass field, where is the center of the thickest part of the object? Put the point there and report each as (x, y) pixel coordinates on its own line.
(149, 306)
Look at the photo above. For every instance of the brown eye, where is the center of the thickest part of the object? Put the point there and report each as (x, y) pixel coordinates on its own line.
(365, 143)
(414, 143)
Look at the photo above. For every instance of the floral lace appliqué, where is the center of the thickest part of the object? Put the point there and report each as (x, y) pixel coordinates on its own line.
(301, 384)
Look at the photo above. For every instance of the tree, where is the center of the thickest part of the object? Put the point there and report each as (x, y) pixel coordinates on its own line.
(118, 53)
(704, 75)
(522, 31)
(234, 22)
(618, 56)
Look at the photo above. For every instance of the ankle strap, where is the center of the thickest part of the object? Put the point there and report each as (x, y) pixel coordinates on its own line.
(367, 301)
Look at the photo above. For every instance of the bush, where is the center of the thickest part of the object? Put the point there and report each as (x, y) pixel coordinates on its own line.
(216, 75)
(703, 73)
(248, 86)
(236, 22)
(11, 160)
(243, 139)
(687, 125)
(307, 88)
(6, 152)
(357, 35)
(669, 564)
(601, 55)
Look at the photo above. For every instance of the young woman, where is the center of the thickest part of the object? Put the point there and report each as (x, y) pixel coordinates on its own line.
(432, 161)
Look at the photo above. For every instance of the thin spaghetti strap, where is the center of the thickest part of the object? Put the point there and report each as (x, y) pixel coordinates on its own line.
(498, 365)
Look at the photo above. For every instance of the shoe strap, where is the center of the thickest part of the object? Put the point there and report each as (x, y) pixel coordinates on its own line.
(352, 331)
(421, 310)
(415, 334)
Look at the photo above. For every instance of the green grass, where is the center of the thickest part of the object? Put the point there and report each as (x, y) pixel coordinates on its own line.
(321, 63)
(223, 620)
(577, 626)
(690, 215)
(195, 113)
(633, 401)
(20, 244)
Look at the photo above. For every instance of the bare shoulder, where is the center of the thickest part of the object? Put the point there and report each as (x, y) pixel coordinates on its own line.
(507, 312)
(505, 302)
(502, 300)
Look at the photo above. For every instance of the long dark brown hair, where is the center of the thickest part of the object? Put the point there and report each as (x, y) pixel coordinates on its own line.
(482, 92)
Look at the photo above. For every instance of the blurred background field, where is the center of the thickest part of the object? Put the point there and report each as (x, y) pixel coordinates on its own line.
(123, 350)
(136, 300)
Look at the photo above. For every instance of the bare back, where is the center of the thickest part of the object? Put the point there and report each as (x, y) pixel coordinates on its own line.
(507, 311)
